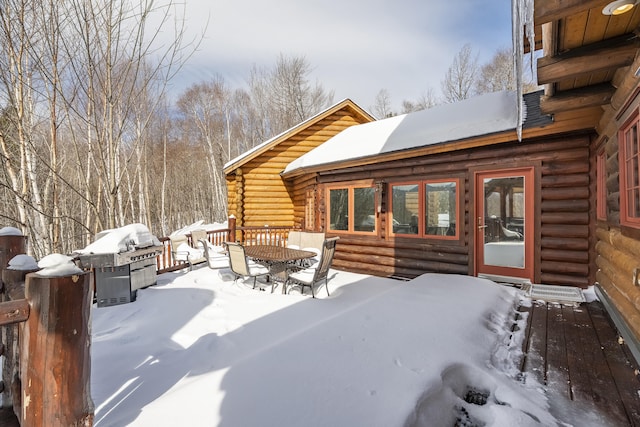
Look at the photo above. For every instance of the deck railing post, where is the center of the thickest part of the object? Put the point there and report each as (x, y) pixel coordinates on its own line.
(232, 229)
(10, 246)
(55, 344)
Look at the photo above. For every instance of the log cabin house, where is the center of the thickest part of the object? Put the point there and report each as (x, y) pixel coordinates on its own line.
(256, 193)
(454, 189)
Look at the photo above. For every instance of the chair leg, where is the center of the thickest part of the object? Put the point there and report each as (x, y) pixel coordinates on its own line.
(326, 285)
(313, 293)
(254, 282)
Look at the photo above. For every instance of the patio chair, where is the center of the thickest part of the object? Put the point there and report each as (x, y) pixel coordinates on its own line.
(181, 251)
(293, 239)
(317, 272)
(243, 267)
(215, 255)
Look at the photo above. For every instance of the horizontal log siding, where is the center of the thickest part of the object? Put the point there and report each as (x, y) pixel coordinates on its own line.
(562, 213)
(264, 198)
(617, 247)
(300, 187)
(617, 258)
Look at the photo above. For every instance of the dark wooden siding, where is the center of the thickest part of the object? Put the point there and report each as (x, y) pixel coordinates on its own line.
(563, 206)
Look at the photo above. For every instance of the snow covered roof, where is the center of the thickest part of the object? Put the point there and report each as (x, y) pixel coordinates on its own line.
(482, 115)
(268, 144)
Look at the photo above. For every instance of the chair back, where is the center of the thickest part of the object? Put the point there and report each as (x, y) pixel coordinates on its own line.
(237, 259)
(176, 241)
(196, 236)
(326, 258)
(293, 239)
(309, 239)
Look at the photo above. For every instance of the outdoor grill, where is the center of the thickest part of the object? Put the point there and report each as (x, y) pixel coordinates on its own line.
(117, 276)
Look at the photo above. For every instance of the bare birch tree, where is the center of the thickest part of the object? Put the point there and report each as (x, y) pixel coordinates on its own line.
(459, 80)
(81, 77)
(382, 105)
(205, 107)
(284, 96)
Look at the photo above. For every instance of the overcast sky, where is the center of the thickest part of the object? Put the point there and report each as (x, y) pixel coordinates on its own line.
(355, 47)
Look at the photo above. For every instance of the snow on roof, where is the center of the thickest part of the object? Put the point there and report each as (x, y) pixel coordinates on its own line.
(482, 115)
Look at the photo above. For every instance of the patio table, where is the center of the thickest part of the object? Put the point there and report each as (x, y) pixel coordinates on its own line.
(278, 259)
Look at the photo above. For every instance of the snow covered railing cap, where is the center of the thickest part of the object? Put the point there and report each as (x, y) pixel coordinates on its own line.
(23, 263)
(57, 265)
(10, 231)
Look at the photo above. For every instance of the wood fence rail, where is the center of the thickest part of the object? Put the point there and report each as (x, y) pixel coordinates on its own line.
(246, 235)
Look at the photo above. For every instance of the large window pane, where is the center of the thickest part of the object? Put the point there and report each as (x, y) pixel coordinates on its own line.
(364, 209)
(440, 209)
(339, 205)
(632, 154)
(405, 205)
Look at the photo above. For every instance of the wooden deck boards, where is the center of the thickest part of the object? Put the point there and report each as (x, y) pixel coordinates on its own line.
(576, 353)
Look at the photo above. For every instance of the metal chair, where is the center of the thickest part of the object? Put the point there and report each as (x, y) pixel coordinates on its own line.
(182, 252)
(215, 256)
(242, 267)
(318, 272)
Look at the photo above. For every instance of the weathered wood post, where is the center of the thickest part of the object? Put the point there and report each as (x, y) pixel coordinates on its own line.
(13, 294)
(55, 355)
(232, 229)
(10, 246)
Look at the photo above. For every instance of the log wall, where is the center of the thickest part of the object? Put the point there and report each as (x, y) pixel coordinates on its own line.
(617, 246)
(562, 220)
(258, 196)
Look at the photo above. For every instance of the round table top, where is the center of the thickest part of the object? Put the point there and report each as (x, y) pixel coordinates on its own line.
(276, 253)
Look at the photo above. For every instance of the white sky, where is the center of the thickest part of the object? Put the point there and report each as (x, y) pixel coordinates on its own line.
(355, 47)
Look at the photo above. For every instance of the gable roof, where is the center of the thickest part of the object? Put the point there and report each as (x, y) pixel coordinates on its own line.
(270, 143)
(483, 115)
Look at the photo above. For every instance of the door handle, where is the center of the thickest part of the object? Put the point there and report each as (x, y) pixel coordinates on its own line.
(481, 227)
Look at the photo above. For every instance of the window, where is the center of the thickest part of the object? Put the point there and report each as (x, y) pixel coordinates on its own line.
(426, 209)
(405, 204)
(601, 186)
(440, 208)
(352, 208)
(630, 175)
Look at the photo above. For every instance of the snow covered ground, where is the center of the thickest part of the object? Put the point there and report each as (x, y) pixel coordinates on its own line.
(199, 350)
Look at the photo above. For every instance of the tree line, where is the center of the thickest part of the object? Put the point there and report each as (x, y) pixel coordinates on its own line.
(90, 140)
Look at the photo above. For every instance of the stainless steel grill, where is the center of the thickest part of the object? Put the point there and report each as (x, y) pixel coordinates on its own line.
(117, 276)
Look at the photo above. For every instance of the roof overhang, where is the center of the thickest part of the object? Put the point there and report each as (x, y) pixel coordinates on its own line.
(585, 52)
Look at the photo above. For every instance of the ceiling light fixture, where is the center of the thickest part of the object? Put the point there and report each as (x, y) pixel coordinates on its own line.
(618, 7)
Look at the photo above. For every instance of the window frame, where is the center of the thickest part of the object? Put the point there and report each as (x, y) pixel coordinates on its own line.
(625, 219)
(351, 186)
(422, 186)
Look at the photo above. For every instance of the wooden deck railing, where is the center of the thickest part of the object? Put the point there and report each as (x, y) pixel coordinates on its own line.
(246, 235)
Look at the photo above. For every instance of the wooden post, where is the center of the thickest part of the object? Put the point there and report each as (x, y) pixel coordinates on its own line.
(55, 343)
(232, 228)
(10, 246)
(13, 291)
